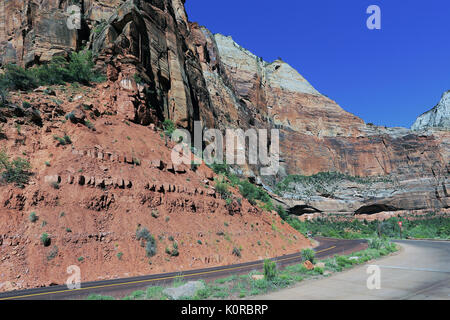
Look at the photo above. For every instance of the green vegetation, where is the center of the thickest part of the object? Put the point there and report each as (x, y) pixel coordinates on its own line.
(237, 252)
(174, 252)
(222, 189)
(45, 239)
(270, 270)
(138, 78)
(248, 190)
(430, 226)
(322, 182)
(79, 68)
(15, 171)
(64, 140)
(33, 217)
(169, 127)
(240, 286)
(53, 253)
(309, 255)
(143, 234)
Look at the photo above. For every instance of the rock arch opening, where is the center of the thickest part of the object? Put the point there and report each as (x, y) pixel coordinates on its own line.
(375, 208)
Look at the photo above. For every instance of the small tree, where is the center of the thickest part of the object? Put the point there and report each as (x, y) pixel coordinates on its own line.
(80, 66)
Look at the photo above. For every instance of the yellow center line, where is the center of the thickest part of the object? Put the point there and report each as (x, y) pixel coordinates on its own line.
(156, 279)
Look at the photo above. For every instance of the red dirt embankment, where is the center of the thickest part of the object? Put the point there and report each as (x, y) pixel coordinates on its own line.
(91, 196)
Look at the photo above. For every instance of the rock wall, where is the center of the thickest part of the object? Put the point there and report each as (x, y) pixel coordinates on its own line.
(438, 117)
(317, 135)
(159, 66)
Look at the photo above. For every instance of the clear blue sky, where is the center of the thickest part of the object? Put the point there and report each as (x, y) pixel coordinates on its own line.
(387, 77)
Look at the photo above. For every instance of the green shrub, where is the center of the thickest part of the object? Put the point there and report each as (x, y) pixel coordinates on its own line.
(45, 239)
(16, 171)
(281, 212)
(270, 269)
(169, 127)
(308, 255)
(80, 68)
(236, 252)
(222, 189)
(26, 105)
(221, 168)
(150, 247)
(33, 217)
(53, 253)
(375, 243)
(344, 261)
(64, 140)
(318, 270)
(17, 78)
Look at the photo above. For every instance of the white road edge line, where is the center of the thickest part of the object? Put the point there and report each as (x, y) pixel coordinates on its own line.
(414, 269)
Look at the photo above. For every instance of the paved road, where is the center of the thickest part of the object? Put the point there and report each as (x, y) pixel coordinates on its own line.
(120, 287)
(421, 270)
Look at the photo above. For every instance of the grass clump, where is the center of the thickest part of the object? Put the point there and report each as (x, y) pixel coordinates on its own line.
(16, 171)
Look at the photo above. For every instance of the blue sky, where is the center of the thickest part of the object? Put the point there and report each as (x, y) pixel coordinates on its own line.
(387, 77)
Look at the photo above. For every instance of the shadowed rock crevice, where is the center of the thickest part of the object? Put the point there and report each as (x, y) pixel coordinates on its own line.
(376, 208)
(299, 210)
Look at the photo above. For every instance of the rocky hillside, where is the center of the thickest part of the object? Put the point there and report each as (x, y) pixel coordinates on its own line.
(100, 190)
(103, 192)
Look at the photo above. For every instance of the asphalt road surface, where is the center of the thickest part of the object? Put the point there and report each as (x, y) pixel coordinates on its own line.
(327, 247)
(420, 271)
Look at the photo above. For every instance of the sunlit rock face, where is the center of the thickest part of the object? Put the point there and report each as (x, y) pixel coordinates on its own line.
(160, 66)
(317, 135)
(438, 117)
